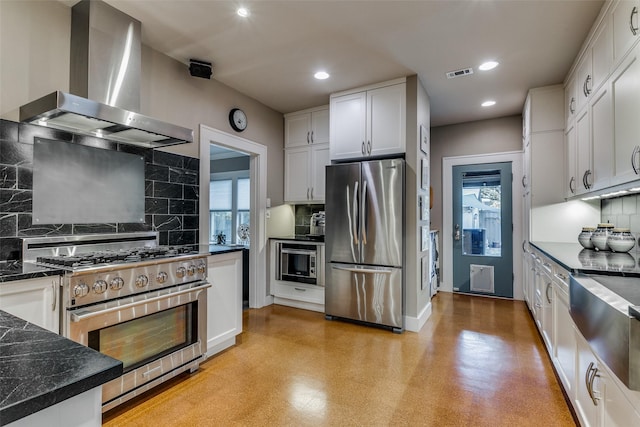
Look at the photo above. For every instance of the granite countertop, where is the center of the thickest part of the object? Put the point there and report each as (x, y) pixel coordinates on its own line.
(18, 270)
(221, 249)
(301, 238)
(39, 368)
(576, 259)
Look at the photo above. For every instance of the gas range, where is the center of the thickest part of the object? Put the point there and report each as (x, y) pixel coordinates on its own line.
(104, 267)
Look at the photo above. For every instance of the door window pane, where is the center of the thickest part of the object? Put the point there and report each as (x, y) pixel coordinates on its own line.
(481, 214)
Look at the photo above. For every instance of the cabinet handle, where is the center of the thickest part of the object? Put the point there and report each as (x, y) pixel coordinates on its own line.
(368, 147)
(55, 295)
(590, 375)
(524, 181)
(572, 188)
(524, 249)
(307, 193)
(586, 86)
(300, 289)
(312, 137)
(586, 181)
(363, 150)
(311, 193)
(634, 11)
(546, 292)
(633, 159)
(572, 105)
(587, 379)
(308, 138)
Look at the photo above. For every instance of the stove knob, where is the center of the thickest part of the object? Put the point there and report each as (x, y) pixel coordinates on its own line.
(142, 281)
(162, 277)
(80, 290)
(116, 283)
(100, 286)
(202, 268)
(181, 272)
(191, 270)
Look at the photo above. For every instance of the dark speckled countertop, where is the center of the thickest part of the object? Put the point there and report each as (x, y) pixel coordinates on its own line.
(576, 259)
(18, 270)
(39, 369)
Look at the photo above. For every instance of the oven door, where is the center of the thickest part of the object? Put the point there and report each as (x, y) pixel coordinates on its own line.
(298, 264)
(156, 335)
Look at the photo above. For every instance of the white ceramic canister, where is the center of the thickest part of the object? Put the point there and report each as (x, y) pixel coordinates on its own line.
(600, 236)
(585, 237)
(621, 240)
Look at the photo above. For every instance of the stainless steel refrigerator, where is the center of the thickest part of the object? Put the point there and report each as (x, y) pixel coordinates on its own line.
(364, 242)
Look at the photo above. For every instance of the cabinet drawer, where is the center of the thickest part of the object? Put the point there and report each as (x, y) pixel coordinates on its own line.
(299, 292)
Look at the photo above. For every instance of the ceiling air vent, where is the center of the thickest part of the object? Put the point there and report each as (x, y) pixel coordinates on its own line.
(459, 73)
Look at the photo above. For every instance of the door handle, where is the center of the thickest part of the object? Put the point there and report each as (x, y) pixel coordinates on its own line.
(355, 213)
(363, 270)
(364, 213)
(456, 234)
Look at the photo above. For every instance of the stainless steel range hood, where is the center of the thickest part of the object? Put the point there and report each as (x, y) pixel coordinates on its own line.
(104, 83)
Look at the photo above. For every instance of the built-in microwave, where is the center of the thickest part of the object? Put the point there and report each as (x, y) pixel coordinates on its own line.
(300, 262)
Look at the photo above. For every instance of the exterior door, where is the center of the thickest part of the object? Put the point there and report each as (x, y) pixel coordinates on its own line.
(482, 229)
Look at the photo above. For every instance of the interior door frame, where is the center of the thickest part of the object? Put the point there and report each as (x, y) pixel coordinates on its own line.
(446, 259)
(258, 226)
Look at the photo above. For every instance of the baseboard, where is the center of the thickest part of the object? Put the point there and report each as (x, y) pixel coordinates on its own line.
(414, 324)
(220, 345)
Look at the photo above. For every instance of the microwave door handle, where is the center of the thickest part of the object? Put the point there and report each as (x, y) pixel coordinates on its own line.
(85, 314)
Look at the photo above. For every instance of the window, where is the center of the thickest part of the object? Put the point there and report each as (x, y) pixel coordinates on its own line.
(229, 206)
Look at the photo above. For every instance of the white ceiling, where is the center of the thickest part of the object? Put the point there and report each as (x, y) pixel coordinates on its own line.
(272, 55)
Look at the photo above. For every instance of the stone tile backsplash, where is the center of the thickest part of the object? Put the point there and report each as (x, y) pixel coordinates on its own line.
(623, 212)
(171, 191)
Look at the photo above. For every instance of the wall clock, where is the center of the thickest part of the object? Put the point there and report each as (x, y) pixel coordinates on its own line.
(237, 119)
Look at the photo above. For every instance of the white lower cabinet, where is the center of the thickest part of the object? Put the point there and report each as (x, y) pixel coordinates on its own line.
(564, 348)
(224, 301)
(34, 300)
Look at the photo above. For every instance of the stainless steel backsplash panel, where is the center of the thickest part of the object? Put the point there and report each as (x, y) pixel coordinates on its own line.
(77, 184)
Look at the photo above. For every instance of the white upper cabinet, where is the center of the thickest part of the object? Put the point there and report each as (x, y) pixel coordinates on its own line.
(369, 122)
(307, 127)
(625, 27)
(306, 155)
(570, 101)
(625, 90)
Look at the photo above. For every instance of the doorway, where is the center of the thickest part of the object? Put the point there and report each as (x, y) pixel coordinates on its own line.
(482, 236)
(257, 153)
(447, 235)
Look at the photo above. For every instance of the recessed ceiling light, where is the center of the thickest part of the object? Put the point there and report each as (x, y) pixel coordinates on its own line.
(489, 65)
(244, 12)
(488, 103)
(321, 75)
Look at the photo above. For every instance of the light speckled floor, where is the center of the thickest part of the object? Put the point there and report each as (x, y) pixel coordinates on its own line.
(477, 362)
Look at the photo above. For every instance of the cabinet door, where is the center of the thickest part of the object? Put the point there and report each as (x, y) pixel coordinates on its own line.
(625, 92)
(601, 111)
(224, 300)
(297, 130)
(625, 26)
(547, 168)
(572, 168)
(348, 126)
(297, 164)
(584, 81)
(319, 161)
(564, 353)
(34, 300)
(386, 120)
(602, 54)
(570, 101)
(320, 127)
(589, 387)
(584, 176)
(547, 312)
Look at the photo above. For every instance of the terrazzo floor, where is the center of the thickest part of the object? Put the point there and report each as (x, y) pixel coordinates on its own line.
(477, 362)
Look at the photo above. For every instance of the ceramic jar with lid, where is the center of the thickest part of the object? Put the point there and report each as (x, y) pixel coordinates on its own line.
(600, 236)
(621, 240)
(585, 237)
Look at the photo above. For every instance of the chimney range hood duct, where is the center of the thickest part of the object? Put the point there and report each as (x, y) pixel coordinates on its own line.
(105, 83)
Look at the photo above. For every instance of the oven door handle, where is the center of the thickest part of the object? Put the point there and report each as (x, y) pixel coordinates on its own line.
(85, 314)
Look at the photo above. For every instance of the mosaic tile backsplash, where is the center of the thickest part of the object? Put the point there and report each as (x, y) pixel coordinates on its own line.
(171, 191)
(303, 217)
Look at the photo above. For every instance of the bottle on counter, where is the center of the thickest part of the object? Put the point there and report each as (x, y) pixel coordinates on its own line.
(600, 236)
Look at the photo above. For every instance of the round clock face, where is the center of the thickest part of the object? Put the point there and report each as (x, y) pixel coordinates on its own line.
(238, 119)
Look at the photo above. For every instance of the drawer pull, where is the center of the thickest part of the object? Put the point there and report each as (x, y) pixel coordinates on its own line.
(300, 289)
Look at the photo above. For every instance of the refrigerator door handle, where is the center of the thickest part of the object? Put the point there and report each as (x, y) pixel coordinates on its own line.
(363, 270)
(354, 208)
(364, 213)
